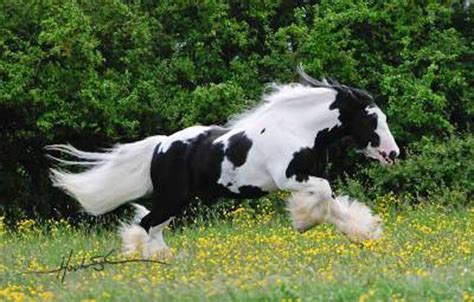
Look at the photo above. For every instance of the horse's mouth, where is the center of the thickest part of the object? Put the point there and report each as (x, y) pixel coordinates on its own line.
(384, 159)
(380, 156)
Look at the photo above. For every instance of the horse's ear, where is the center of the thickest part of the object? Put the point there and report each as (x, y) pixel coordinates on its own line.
(307, 79)
(362, 95)
(333, 82)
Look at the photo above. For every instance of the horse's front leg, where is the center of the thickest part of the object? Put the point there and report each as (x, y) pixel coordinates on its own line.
(309, 203)
(313, 202)
(354, 219)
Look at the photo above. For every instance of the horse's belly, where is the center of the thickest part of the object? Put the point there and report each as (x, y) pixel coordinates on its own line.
(247, 178)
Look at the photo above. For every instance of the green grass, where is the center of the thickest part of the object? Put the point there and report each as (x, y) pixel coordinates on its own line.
(425, 254)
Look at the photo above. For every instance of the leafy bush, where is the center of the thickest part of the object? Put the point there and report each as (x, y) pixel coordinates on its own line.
(73, 71)
(434, 171)
(414, 58)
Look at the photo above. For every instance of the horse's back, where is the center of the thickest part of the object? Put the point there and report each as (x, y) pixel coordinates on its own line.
(183, 136)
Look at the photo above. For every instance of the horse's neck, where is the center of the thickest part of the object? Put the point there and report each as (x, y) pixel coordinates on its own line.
(306, 118)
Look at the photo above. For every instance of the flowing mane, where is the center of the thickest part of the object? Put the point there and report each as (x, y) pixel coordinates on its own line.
(309, 89)
(280, 95)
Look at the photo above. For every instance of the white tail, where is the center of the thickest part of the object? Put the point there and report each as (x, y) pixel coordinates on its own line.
(112, 178)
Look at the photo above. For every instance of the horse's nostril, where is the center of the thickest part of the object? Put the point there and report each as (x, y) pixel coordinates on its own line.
(392, 155)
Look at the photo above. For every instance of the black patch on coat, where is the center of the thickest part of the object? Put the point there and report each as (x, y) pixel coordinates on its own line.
(238, 148)
(191, 168)
(356, 126)
(352, 104)
(300, 165)
(206, 161)
(263, 131)
(313, 161)
(167, 173)
(251, 192)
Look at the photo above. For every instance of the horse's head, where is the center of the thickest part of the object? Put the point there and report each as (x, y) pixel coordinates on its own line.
(361, 119)
(367, 125)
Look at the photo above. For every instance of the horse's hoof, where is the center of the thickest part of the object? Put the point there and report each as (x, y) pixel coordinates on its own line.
(372, 230)
(163, 254)
(134, 239)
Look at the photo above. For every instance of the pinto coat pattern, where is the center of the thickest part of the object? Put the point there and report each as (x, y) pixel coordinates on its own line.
(280, 145)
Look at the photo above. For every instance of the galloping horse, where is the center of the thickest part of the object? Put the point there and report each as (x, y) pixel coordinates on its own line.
(280, 145)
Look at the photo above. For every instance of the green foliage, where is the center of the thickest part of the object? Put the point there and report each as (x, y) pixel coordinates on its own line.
(414, 58)
(215, 103)
(434, 171)
(92, 75)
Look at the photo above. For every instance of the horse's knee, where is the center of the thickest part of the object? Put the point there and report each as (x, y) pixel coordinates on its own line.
(146, 221)
(307, 210)
(321, 189)
(155, 218)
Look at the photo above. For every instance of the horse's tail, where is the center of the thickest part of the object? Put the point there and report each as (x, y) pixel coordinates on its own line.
(111, 179)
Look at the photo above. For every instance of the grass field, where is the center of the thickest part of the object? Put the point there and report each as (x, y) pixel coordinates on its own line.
(425, 254)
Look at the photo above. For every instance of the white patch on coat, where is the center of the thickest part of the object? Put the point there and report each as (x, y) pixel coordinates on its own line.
(252, 172)
(184, 135)
(302, 111)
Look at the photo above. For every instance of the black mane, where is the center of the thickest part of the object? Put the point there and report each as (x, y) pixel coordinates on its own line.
(361, 96)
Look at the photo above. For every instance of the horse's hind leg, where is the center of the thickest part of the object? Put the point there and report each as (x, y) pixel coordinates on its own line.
(145, 233)
(156, 246)
(134, 237)
(165, 208)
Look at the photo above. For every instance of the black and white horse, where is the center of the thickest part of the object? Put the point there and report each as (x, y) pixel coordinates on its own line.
(280, 145)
